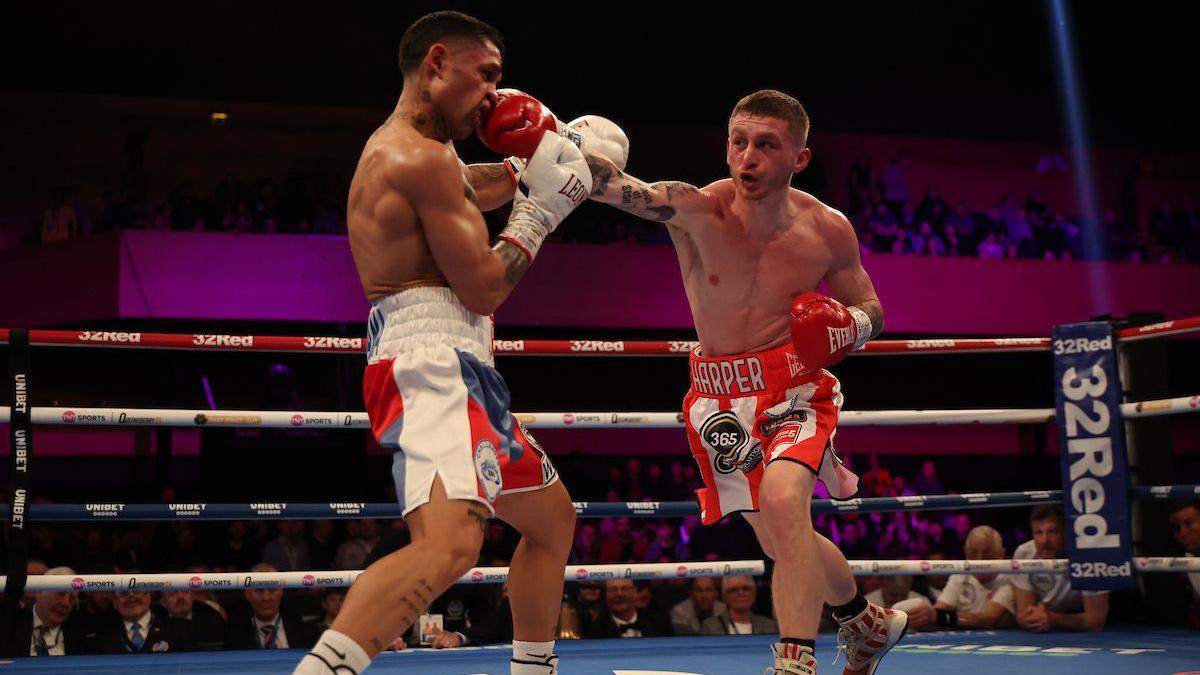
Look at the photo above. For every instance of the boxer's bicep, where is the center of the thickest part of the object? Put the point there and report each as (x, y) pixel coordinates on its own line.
(457, 237)
(848, 281)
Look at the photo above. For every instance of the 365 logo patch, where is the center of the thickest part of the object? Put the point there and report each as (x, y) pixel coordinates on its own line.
(726, 436)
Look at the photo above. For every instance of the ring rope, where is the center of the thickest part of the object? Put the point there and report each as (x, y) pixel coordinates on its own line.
(200, 511)
(495, 575)
(344, 345)
(342, 419)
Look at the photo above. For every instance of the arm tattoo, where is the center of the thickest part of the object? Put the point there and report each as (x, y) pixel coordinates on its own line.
(515, 261)
(483, 174)
(603, 172)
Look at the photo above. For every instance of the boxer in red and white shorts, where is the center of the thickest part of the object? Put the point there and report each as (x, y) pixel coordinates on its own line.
(748, 410)
(433, 396)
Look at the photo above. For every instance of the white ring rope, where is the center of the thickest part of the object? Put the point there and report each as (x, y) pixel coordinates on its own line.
(495, 575)
(171, 417)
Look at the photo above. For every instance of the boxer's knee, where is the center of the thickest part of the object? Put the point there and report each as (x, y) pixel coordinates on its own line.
(459, 541)
(785, 499)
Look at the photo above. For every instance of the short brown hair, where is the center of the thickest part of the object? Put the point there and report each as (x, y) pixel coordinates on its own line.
(1046, 512)
(775, 103)
(437, 26)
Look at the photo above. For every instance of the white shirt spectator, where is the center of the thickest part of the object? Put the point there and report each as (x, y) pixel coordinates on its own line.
(965, 593)
(53, 638)
(1194, 577)
(1052, 590)
(875, 597)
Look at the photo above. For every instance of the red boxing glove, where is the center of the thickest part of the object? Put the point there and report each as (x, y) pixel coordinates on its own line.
(516, 124)
(824, 330)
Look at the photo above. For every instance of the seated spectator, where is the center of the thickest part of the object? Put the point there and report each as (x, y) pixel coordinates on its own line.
(972, 600)
(1047, 601)
(1185, 525)
(353, 552)
(331, 605)
(992, 247)
(205, 626)
(621, 618)
(687, 616)
(49, 627)
(139, 628)
(289, 551)
(739, 594)
(261, 625)
(927, 483)
(893, 589)
(935, 584)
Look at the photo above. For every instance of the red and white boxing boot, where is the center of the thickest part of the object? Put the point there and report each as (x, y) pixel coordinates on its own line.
(867, 637)
(791, 659)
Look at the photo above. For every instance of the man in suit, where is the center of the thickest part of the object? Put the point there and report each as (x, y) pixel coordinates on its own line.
(739, 594)
(261, 624)
(47, 628)
(701, 604)
(205, 626)
(623, 618)
(138, 627)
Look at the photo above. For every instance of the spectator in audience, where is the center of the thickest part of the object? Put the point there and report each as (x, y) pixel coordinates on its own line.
(139, 628)
(239, 551)
(262, 625)
(739, 594)
(354, 551)
(992, 247)
(589, 601)
(972, 600)
(935, 584)
(926, 242)
(288, 552)
(877, 481)
(206, 628)
(894, 588)
(321, 544)
(33, 567)
(60, 221)
(622, 618)
(1185, 525)
(586, 547)
(48, 628)
(331, 604)
(1046, 601)
(894, 181)
(702, 603)
(927, 482)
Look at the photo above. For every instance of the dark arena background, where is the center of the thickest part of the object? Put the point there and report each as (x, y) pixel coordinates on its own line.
(173, 188)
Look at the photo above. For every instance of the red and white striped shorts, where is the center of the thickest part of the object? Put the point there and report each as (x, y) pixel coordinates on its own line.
(747, 410)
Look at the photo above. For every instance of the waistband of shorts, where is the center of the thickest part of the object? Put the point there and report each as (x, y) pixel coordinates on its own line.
(770, 370)
(428, 316)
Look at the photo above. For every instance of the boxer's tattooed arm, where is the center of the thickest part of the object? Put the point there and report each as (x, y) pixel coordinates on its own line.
(515, 261)
(492, 184)
(660, 202)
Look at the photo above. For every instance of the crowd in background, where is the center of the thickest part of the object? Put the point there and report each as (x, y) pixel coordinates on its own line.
(887, 214)
(263, 618)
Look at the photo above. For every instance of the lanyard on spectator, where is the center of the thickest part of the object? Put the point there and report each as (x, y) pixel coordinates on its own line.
(21, 439)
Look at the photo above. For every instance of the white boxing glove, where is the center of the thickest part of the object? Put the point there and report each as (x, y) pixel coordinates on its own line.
(553, 183)
(593, 133)
(602, 136)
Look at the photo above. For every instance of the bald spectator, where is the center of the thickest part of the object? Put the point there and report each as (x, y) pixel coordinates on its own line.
(48, 627)
(262, 625)
(972, 600)
(1046, 601)
(621, 618)
(701, 604)
(739, 594)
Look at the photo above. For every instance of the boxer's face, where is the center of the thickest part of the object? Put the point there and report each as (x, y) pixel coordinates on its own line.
(762, 155)
(463, 84)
